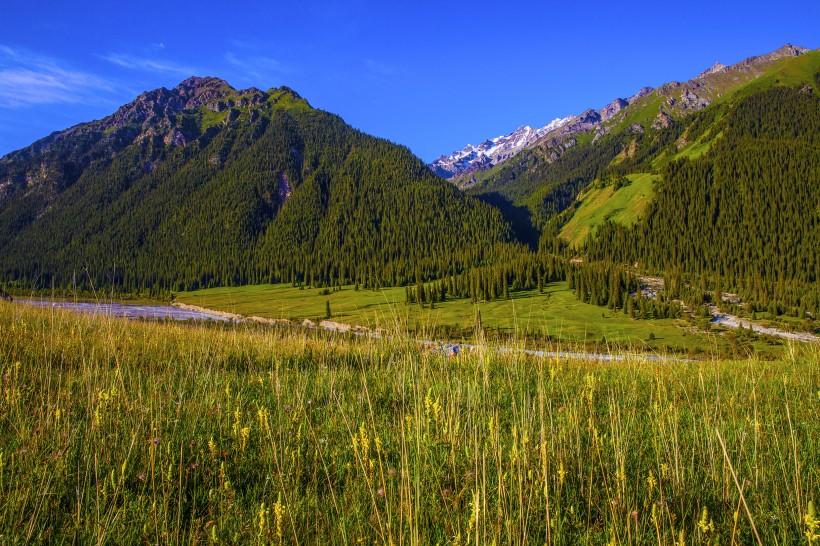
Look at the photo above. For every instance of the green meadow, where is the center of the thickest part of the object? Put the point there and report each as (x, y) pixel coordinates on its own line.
(118, 432)
(599, 204)
(555, 316)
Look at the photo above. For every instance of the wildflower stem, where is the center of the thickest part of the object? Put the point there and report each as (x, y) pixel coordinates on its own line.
(739, 489)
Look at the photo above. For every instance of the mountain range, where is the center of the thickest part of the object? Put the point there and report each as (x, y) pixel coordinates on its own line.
(492, 151)
(669, 100)
(204, 185)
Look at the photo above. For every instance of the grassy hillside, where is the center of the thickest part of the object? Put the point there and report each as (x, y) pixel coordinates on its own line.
(121, 432)
(624, 206)
(541, 182)
(794, 72)
(719, 88)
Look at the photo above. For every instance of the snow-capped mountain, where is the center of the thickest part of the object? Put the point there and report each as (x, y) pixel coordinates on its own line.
(492, 151)
(678, 99)
(497, 150)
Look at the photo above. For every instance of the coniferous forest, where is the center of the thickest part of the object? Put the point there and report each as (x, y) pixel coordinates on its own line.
(274, 194)
(746, 215)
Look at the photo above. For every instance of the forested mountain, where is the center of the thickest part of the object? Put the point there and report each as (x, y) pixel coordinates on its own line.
(546, 178)
(747, 212)
(206, 185)
(726, 195)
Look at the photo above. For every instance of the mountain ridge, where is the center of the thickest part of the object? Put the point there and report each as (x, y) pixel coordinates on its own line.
(691, 95)
(203, 185)
(159, 112)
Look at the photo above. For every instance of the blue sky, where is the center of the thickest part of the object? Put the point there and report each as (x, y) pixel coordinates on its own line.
(433, 76)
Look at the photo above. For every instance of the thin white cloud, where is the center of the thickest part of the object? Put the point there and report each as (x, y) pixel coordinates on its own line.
(149, 65)
(28, 78)
(256, 67)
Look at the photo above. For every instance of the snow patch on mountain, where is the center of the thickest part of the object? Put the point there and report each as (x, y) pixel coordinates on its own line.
(491, 152)
(481, 156)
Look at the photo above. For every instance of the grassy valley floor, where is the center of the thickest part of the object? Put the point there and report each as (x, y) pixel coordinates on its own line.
(132, 432)
(554, 316)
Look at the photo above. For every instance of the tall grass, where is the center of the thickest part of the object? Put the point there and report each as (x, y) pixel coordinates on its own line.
(129, 433)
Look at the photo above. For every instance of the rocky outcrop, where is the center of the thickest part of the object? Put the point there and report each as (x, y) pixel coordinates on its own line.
(175, 138)
(787, 50)
(612, 108)
(644, 91)
(699, 92)
(283, 188)
(584, 122)
(717, 67)
(171, 117)
(688, 99)
(662, 120)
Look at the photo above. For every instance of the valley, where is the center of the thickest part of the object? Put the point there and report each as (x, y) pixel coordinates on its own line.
(239, 200)
(230, 316)
(552, 320)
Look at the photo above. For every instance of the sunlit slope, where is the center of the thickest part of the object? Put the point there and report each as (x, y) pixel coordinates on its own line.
(623, 205)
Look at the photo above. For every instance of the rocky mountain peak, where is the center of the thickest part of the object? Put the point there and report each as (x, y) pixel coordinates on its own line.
(717, 67)
(196, 107)
(789, 50)
(287, 90)
(558, 133)
(613, 108)
(196, 92)
(492, 151)
(146, 107)
(642, 92)
(197, 82)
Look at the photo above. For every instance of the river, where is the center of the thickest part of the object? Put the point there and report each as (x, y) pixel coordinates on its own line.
(127, 310)
(170, 312)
